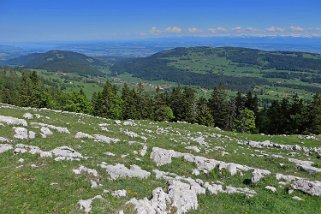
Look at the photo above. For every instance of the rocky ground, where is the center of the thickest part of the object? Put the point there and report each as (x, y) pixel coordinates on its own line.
(60, 162)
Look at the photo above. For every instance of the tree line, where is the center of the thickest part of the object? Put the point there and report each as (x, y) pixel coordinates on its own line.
(242, 113)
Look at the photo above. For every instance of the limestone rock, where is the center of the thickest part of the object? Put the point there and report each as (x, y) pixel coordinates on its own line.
(310, 187)
(121, 171)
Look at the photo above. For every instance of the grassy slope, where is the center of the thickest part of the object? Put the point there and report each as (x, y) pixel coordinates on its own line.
(28, 190)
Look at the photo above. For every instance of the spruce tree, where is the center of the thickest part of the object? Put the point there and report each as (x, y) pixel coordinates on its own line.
(218, 105)
(314, 114)
(204, 116)
(110, 103)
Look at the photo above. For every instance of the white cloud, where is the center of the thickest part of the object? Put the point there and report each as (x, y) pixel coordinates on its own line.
(294, 31)
(237, 29)
(217, 30)
(174, 29)
(155, 30)
(274, 29)
(296, 28)
(251, 29)
(193, 30)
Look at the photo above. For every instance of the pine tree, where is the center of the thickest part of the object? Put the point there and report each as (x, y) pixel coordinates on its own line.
(274, 115)
(239, 103)
(232, 115)
(109, 103)
(143, 105)
(160, 110)
(189, 104)
(204, 116)
(314, 115)
(297, 117)
(129, 97)
(218, 105)
(25, 90)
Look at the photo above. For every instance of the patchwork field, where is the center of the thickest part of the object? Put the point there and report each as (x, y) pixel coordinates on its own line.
(61, 162)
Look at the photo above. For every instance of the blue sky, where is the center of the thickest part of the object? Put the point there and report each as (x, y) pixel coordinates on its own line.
(65, 20)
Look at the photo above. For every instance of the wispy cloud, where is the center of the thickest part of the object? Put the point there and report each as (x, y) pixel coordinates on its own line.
(193, 30)
(155, 30)
(217, 30)
(237, 29)
(274, 29)
(174, 29)
(296, 28)
(293, 31)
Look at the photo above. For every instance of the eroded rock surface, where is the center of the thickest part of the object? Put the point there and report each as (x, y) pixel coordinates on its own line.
(309, 187)
(121, 171)
(13, 121)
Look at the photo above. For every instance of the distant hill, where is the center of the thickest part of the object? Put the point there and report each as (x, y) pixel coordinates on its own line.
(60, 61)
(237, 68)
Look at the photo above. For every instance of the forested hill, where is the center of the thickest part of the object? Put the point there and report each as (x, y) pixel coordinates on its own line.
(237, 68)
(60, 61)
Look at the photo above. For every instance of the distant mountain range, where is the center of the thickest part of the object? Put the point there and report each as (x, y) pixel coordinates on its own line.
(60, 61)
(237, 68)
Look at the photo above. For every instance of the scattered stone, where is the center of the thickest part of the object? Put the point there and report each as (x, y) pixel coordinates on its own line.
(182, 192)
(66, 153)
(269, 144)
(57, 128)
(219, 188)
(5, 147)
(28, 116)
(143, 151)
(162, 156)
(184, 198)
(82, 135)
(45, 131)
(297, 198)
(93, 184)
(21, 160)
(13, 121)
(131, 134)
(109, 154)
(32, 135)
(305, 165)
(156, 205)
(119, 193)
(61, 153)
(85, 205)
(286, 178)
(196, 172)
(310, 187)
(3, 140)
(258, 174)
(194, 148)
(105, 139)
(129, 123)
(83, 169)
(21, 133)
(272, 189)
(121, 171)
(125, 155)
(200, 140)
